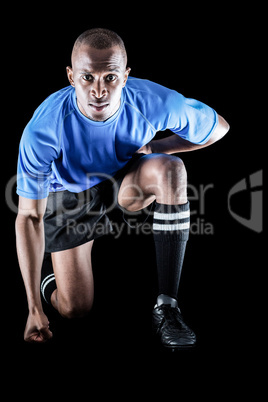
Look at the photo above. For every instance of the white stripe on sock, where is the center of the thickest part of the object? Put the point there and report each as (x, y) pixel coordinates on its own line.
(178, 226)
(45, 282)
(172, 217)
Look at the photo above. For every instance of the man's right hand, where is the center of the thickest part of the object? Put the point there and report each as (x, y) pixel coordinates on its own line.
(37, 328)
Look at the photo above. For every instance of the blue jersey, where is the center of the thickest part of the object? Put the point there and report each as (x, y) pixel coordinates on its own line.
(61, 149)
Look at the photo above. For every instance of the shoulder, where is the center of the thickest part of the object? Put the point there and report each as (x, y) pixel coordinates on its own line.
(53, 106)
(147, 88)
(156, 102)
(44, 126)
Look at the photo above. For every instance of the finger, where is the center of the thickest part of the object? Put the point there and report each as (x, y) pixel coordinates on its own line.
(41, 336)
(46, 333)
(35, 338)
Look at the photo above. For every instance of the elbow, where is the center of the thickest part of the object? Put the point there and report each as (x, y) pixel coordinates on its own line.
(30, 215)
(220, 131)
(224, 127)
(23, 220)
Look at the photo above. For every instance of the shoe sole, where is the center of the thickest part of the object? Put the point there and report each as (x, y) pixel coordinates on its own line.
(178, 348)
(172, 348)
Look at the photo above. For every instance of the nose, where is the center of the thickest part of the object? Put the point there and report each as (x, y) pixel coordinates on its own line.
(98, 89)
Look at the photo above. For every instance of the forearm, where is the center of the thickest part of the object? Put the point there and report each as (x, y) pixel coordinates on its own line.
(173, 144)
(30, 250)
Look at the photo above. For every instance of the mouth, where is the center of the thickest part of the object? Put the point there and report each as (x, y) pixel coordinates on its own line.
(98, 107)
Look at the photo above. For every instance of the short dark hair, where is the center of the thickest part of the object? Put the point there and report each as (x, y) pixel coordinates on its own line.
(100, 38)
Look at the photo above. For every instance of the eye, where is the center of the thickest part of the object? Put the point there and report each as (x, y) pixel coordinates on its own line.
(111, 77)
(87, 77)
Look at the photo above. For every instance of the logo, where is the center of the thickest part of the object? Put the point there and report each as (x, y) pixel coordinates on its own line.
(250, 191)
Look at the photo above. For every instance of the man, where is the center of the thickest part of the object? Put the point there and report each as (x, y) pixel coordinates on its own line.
(88, 147)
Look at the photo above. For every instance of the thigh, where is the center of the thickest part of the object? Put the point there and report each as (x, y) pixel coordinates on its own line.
(74, 277)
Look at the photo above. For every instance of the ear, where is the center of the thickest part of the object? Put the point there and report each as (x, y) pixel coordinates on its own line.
(70, 75)
(126, 76)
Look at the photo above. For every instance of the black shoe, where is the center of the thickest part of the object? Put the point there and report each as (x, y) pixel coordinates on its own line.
(168, 325)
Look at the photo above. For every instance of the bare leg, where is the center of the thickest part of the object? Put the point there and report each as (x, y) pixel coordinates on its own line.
(75, 285)
(157, 177)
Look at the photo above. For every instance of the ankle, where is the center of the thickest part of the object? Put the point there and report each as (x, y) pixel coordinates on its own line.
(165, 299)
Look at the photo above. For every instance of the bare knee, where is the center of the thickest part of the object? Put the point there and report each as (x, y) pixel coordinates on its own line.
(75, 309)
(158, 177)
(174, 167)
(170, 178)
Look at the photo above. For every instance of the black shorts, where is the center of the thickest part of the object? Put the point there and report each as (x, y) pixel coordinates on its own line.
(72, 219)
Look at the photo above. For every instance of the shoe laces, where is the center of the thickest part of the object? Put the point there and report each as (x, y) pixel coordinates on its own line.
(172, 317)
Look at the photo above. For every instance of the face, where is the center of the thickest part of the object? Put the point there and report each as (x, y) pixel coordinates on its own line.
(98, 76)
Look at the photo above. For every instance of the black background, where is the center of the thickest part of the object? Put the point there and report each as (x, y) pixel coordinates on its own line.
(208, 54)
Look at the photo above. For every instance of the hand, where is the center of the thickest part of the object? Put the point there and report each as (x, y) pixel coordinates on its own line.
(146, 149)
(37, 328)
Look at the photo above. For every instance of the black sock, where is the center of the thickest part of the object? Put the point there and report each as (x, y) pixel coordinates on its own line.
(48, 282)
(171, 224)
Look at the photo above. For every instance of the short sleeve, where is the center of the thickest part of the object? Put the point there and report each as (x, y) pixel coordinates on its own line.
(34, 165)
(191, 119)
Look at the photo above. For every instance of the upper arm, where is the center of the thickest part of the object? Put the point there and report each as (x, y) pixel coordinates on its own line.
(220, 131)
(192, 120)
(222, 127)
(34, 169)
